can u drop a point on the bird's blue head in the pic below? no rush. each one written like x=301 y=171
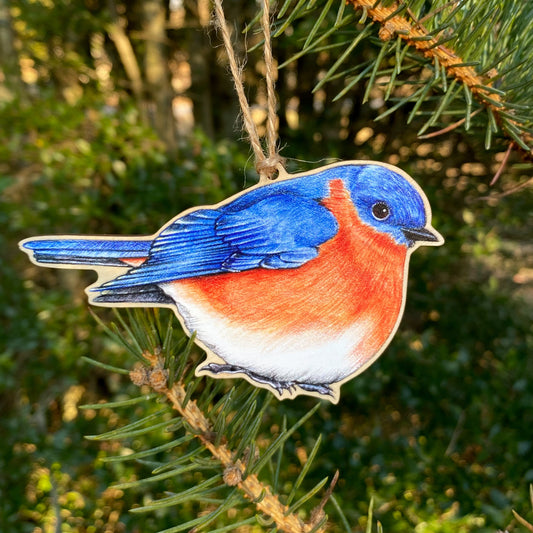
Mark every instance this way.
x=391 y=202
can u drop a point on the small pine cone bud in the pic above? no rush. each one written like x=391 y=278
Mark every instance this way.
x=158 y=379
x=139 y=376
x=316 y=516
x=386 y=32
x=246 y=455
x=150 y=357
x=232 y=475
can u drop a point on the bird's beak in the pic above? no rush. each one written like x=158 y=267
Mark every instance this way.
x=423 y=234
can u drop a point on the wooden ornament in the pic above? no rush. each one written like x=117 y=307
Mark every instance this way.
x=296 y=285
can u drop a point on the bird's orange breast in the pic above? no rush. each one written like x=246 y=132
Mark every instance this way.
x=357 y=277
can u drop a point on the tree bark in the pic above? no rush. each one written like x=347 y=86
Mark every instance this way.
x=202 y=60
x=126 y=53
x=8 y=55
x=157 y=71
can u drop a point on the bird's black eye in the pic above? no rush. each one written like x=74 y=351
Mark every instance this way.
x=380 y=211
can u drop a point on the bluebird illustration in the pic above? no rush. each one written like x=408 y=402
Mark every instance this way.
x=296 y=285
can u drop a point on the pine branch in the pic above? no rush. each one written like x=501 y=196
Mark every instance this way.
x=218 y=436
x=464 y=60
x=416 y=35
x=235 y=469
x=394 y=23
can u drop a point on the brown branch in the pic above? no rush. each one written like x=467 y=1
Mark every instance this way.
x=502 y=166
x=523 y=521
x=127 y=57
x=318 y=512
x=233 y=468
x=418 y=37
x=449 y=128
x=508 y=192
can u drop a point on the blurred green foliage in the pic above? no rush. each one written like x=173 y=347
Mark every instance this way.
x=439 y=432
x=85 y=170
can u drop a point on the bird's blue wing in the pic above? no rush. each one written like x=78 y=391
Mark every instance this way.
x=279 y=231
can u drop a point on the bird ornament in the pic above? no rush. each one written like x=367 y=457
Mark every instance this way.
x=297 y=285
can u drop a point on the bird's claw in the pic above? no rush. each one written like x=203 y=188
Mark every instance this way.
x=324 y=390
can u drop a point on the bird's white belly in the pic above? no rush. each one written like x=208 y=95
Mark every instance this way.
x=310 y=356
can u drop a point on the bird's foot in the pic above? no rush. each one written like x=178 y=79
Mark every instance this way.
x=279 y=386
x=322 y=389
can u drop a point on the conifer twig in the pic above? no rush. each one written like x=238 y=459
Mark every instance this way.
x=449 y=128
x=508 y=192
x=503 y=163
x=318 y=511
x=394 y=23
x=234 y=469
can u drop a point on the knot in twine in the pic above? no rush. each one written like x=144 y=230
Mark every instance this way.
x=269 y=166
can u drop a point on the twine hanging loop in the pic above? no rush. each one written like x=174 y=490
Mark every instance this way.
x=267 y=165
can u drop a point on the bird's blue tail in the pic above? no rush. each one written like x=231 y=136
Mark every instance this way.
x=93 y=252
x=98 y=252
